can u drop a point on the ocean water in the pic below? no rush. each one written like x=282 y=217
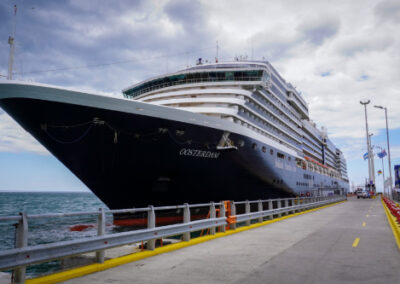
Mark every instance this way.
x=48 y=230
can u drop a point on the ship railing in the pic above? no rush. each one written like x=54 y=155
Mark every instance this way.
x=192 y=81
x=222 y=216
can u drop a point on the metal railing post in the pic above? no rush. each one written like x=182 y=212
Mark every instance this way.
x=212 y=215
x=286 y=206
x=21 y=240
x=247 y=210
x=260 y=208
x=270 y=207
x=292 y=204
x=278 y=206
x=151 y=223
x=222 y=213
x=186 y=219
x=233 y=213
x=101 y=230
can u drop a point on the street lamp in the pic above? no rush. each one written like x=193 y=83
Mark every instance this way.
x=364 y=103
x=388 y=145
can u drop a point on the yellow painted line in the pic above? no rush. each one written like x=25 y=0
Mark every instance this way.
x=364 y=224
x=355 y=243
x=88 y=269
x=393 y=224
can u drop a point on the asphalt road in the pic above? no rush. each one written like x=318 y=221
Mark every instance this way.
x=350 y=242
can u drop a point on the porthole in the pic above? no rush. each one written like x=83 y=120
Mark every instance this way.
x=271 y=152
x=289 y=158
x=264 y=149
x=254 y=146
x=241 y=143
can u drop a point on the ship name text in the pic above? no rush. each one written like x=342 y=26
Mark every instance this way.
x=199 y=153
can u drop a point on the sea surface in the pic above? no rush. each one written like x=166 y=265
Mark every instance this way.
x=47 y=230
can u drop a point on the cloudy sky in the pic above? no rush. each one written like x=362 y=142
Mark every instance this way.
x=335 y=52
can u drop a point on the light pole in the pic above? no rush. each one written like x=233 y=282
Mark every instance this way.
x=388 y=145
x=383 y=171
x=372 y=159
x=364 y=103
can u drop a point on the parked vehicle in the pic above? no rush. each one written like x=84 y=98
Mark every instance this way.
x=363 y=194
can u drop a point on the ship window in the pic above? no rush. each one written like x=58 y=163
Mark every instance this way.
x=254 y=146
x=280 y=155
x=271 y=152
x=241 y=143
x=289 y=158
x=264 y=149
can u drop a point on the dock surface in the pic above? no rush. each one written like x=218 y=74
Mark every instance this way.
x=350 y=242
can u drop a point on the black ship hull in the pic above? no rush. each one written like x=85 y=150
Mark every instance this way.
x=134 y=160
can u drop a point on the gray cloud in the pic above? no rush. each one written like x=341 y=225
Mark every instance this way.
x=388 y=11
x=318 y=30
x=352 y=45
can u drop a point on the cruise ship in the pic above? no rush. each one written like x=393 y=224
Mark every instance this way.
x=215 y=131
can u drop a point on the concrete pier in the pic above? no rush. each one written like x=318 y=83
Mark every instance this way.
x=349 y=242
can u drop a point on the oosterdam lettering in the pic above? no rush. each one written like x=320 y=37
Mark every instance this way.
x=199 y=153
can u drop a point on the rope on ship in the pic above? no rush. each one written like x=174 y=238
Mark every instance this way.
x=44 y=128
x=144 y=137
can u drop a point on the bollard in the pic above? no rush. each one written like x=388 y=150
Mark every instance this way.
x=233 y=213
x=212 y=215
x=270 y=207
x=247 y=210
x=101 y=230
x=186 y=219
x=21 y=240
x=260 y=209
x=151 y=223
x=222 y=214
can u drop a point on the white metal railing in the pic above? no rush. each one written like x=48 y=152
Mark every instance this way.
x=23 y=255
x=188 y=81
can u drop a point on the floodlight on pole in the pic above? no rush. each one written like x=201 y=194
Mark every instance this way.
x=388 y=145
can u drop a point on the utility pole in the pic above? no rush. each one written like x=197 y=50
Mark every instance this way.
x=11 y=43
x=383 y=170
x=364 y=103
x=372 y=159
x=388 y=145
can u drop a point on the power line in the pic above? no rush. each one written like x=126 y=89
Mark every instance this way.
x=110 y=63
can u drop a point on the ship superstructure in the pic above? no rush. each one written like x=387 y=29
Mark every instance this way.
x=253 y=95
x=223 y=131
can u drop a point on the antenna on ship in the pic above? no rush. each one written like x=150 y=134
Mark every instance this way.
x=11 y=43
